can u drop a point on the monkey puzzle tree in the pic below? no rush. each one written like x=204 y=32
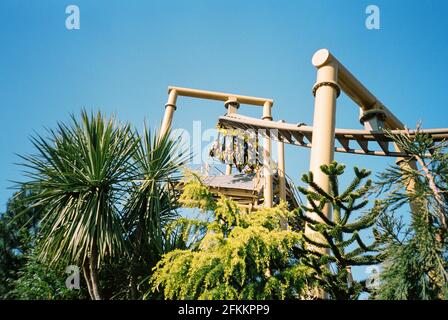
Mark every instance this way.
x=338 y=245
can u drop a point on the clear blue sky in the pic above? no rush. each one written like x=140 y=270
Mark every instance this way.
x=127 y=53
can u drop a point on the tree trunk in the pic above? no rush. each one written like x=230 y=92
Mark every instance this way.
x=436 y=278
x=134 y=294
x=133 y=287
x=94 y=273
x=86 y=271
x=436 y=192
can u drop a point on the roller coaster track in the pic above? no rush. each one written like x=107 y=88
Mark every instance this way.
x=375 y=143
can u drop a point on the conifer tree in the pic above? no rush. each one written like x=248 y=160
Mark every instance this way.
x=338 y=245
x=416 y=249
x=241 y=255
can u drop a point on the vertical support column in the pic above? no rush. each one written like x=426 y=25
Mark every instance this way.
x=267 y=151
x=281 y=167
x=170 y=107
x=325 y=91
x=375 y=120
x=232 y=105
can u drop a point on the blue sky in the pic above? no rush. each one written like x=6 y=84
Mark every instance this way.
x=127 y=53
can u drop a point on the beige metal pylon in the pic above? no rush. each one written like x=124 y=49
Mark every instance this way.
x=332 y=77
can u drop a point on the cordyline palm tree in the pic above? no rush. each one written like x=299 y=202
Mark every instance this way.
x=152 y=203
x=79 y=176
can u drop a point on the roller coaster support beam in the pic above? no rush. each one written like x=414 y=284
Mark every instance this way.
x=170 y=107
x=268 y=192
x=332 y=77
x=326 y=90
x=232 y=106
x=281 y=168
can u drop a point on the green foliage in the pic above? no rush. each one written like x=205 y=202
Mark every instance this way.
x=151 y=205
x=23 y=275
x=38 y=281
x=335 y=245
x=100 y=196
x=416 y=266
x=426 y=168
x=241 y=256
x=78 y=175
x=106 y=202
x=197 y=195
x=184 y=233
x=17 y=234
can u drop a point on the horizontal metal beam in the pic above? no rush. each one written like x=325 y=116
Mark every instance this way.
x=343 y=136
x=355 y=89
x=220 y=96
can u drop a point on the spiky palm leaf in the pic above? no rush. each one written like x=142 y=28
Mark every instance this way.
x=79 y=174
x=152 y=200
